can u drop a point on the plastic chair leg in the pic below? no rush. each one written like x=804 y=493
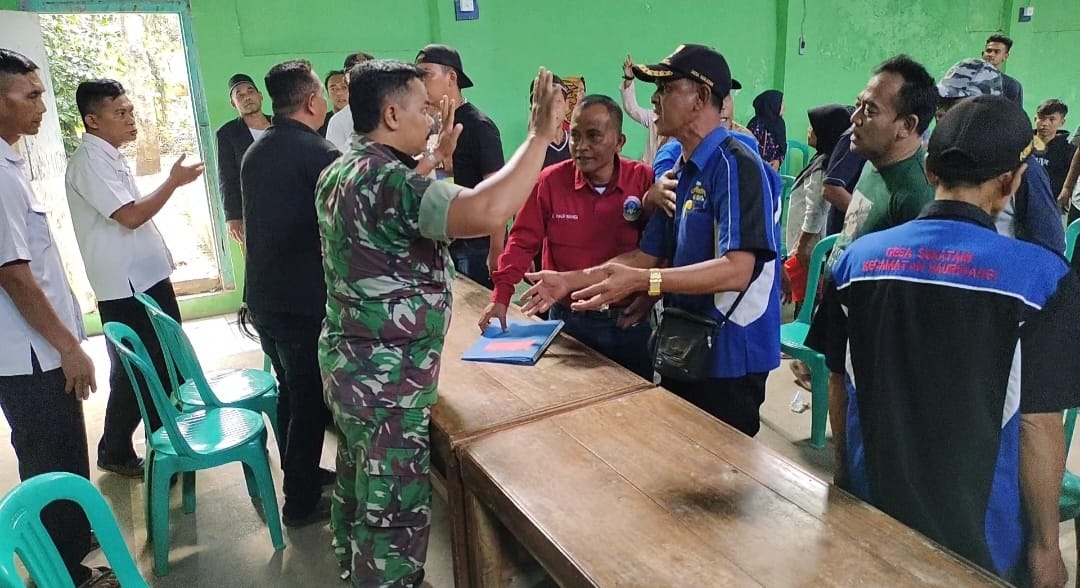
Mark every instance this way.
x=148 y=476
x=259 y=462
x=252 y=483
x=159 y=519
x=188 y=487
x=819 y=402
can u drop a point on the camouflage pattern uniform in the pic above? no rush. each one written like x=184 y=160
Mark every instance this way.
x=970 y=77
x=387 y=268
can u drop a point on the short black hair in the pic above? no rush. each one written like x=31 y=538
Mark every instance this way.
x=1051 y=107
x=918 y=94
x=355 y=58
x=1000 y=38
x=601 y=100
x=13 y=63
x=333 y=72
x=289 y=84
x=371 y=83
x=91 y=93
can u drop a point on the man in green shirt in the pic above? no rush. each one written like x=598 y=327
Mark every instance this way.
x=891 y=114
x=385 y=229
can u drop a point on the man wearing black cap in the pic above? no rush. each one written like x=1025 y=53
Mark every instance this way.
x=478 y=155
x=961 y=345
x=721 y=247
x=233 y=140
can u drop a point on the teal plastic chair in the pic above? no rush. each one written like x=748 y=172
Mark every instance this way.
x=190 y=441
x=1070 y=239
x=252 y=389
x=792 y=342
x=798 y=155
x=23 y=534
x=785 y=200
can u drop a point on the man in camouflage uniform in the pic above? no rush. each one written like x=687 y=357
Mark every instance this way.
x=385 y=227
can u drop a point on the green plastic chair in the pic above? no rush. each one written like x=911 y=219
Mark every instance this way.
x=792 y=342
x=190 y=441
x=252 y=389
x=23 y=534
x=785 y=200
x=1070 y=239
x=798 y=155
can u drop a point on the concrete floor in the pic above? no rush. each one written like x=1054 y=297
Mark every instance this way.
x=224 y=543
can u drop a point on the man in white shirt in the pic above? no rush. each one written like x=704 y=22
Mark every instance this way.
x=123 y=251
x=340 y=129
x=44 y=373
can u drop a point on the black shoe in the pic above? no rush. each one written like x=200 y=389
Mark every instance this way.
x=132 y=468
x=320 y=513
x=327 y=478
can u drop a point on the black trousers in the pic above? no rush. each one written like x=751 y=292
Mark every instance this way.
x=736 y=401
x=291 y=341
x=48 y=434
x=122 y=413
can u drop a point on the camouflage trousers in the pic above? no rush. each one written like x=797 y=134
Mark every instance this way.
x=380 y=515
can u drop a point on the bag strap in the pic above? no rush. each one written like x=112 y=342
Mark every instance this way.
x=669 y=237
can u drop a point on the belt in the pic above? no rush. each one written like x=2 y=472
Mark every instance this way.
x=608 y=314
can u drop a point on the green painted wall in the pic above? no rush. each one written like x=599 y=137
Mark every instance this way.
x=503 y=49
x=1043 y=55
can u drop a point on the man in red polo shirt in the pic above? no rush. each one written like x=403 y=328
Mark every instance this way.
x=584 y=212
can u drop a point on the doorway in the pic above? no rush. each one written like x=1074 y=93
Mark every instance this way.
x=148 y=52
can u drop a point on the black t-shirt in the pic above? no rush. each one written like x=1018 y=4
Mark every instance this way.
x=558 y=153
x=479 y=148
x=844 y=171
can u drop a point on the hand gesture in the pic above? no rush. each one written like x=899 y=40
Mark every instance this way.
x=619 y=281
x=493 y=310
x=1064 y=199
x=785 y=286
x=449 y=132
x=548 y=288
x=78 y=372
x=236 y=230
x=1047 y=568
x=545 y=119
x=182 y=174
x=662 y=194
x=804 y=248
x=628 y=67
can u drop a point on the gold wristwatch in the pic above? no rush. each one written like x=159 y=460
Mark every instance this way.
x=655 y=280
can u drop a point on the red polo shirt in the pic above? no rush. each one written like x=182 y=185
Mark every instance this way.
x=578 y=226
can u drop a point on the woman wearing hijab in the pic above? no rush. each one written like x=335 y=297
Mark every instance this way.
x=807 y=210
x=768 y=127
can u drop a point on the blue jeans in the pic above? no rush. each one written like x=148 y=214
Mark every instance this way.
x=470 y=258
x=627 y=347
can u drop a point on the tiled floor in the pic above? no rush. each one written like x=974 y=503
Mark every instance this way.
x=224 y=544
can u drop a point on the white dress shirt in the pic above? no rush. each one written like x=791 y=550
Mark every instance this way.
x=340 y=130
x=119 y=262
x=25 y=236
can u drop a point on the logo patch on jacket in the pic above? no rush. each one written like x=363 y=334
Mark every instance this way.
x=631 y=208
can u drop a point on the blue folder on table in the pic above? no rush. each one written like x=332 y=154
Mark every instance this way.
x=522 y=344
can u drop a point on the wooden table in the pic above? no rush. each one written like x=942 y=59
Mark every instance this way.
x=477 y=399
x=646 y=490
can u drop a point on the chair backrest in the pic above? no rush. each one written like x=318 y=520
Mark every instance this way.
x=1070 y=239
x=170 y=362
x=179 y=353
x=23 y=534
x=136 y=360
x=817 y=261
x=798 y=155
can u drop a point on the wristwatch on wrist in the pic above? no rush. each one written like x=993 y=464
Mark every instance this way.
x=429 y=155
x=628 y=78
x=655 y=281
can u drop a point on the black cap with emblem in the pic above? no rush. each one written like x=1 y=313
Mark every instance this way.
x=694 y=62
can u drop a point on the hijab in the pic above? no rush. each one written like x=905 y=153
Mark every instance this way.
x=767 y=114
x=829 y=123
